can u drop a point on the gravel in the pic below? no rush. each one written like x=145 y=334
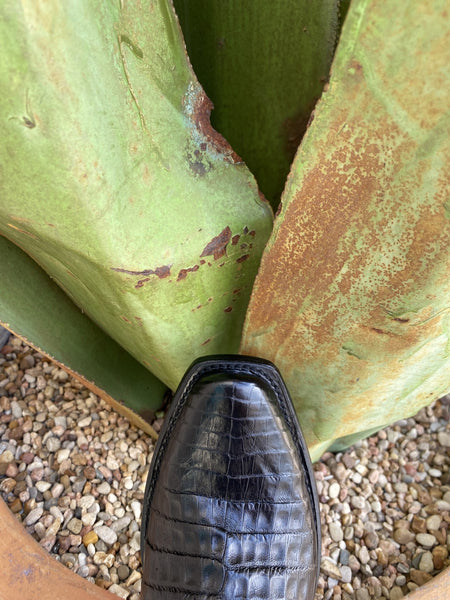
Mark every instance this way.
x=73 y=471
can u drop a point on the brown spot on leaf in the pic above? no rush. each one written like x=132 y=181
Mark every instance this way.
x=141 y=282
x=206 y=342
x=235 y=239
x=380 y=331
x=228 y=309
x=242 y=258
x=183 y=272
x=199 y=113
x=218 y=245
x=160 y=272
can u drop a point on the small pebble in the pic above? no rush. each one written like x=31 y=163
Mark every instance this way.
x=106 y=534
x=123 y=572
x=336 y=532
x=426 y=540
x=90 y=538
x=396 y=593
x=426 y=563
x=34 y=516
x=75 y=526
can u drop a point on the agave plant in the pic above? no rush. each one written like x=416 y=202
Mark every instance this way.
x=136 y=238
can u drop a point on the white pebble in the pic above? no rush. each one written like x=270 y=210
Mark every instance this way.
x=119 y=591
x=426 y=540
x=33 y=516
x=336 y=532
x=86 y=501
x=346 y=574
x=57 y=490
x=433 y=522
x=112 y=463
x=444 y=438
x=88 y=519
x=136 y=507
x=42 y=486
x=85 y=422
x=104 y=488
x=334 y=490
x=16 y=409
x=62 y=455
x=434 y=472
x=127 y=483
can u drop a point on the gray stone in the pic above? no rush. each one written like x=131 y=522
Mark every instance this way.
x=106 y=534
x=120 y=524
x=78 y=484
x=123 y=572
x=346 y=574
x=362 y=594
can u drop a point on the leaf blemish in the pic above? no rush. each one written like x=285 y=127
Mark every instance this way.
x=217 y=247
x=183 y=272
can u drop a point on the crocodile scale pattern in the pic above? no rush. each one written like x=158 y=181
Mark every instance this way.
x=230 y=514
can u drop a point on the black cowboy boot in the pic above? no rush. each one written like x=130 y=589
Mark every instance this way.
x=230 y=509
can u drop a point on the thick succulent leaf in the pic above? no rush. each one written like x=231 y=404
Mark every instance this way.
x=263 y=64
x=36 y=309
x=114 y=182
x=352 y=298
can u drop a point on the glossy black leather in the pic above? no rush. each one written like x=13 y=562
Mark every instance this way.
x=230 y=509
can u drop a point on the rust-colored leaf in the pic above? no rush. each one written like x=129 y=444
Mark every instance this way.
x=352 y=297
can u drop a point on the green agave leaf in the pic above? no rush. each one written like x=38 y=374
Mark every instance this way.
x=264 y=65
x=36 y=309
x=352 y=298
x=114 y=182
